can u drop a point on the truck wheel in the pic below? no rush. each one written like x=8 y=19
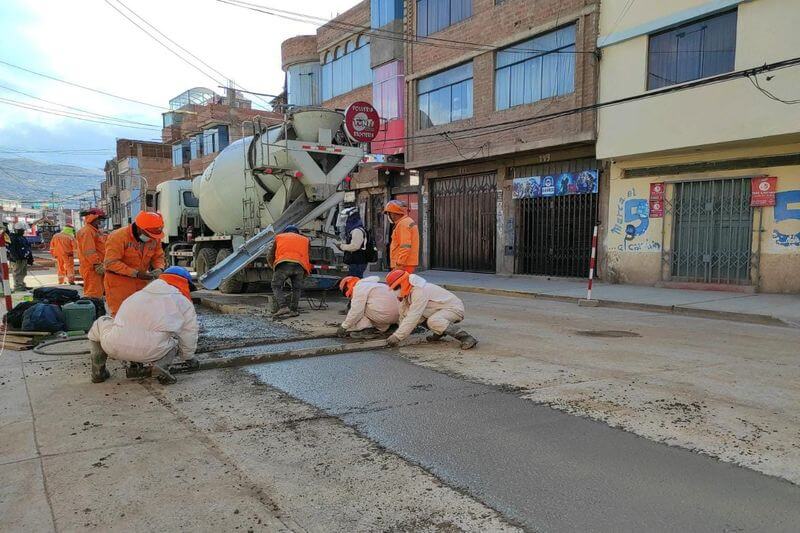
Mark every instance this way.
x=235 y=283
x=205 y=260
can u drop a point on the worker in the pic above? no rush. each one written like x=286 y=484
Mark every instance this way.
x=133 y=258
x=20 y=256
x=420 y=302
x=91 y=247
x=154 y=325
x=404 y=249
x=290 y=257
x=373 y=308
x=355 y=243
x=62 y=248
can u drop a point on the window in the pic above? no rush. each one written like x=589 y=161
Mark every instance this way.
x=303 y=84
x=436 y=15
x=196 y=146
x=215 y=139
x=445 y=97
x=190 y=200
x=348 y=69
x=385 y=11
x=177 y=155
x=387 y=91
x=539 y=68
x=696 y=50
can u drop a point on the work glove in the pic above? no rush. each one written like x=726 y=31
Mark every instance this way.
x=157 y=272
x=392 y=341
x=147 y=276
x=341 y=332
x=100 y=269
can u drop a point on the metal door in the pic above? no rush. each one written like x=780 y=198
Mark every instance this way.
x=376 y=225
x=554 y=235
x=712 y=231
x=464 y=223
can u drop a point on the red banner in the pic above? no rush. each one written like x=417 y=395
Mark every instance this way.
x=657 y=191
x=762 y=191
x=656 y=209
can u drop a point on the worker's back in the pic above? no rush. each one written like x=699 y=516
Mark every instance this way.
x=404 y=250
x=293 y=248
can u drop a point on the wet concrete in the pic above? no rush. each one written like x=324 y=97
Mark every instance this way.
x=218 y=328
x=281 y=347
x=542 y=468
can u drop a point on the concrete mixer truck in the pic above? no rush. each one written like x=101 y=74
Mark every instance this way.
x=291 y=173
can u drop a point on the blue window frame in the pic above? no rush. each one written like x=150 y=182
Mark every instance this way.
x=539 y=68
x=436 y=15
x=177 y=155
x=692 y=51
x=197 y=146
x=382 y=12
x=445 y=97
x=347 y=68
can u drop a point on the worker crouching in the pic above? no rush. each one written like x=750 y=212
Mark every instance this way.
x=373 y=308
x=420 y=302
x=290 y=260
x=154 y=325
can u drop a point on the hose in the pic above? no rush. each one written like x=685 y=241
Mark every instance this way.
x=37 y=348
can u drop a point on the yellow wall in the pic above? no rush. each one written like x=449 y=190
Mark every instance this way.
x=639 y=260
x=726 y=112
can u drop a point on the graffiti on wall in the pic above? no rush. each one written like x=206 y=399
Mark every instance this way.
x=787 y=208
x=632 y=222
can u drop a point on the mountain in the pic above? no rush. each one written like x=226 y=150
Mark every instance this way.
x=34 y=181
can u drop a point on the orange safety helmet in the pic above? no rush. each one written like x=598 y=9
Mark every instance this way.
x=90 y=215
x=399 y=279
x=347 y=285
x=397 y=207
x=152 y=224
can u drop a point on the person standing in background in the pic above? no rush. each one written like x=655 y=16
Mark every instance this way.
x=91 y=247
x=62 y=248
x=354 y=244
x=404 y=249
x=20 y=255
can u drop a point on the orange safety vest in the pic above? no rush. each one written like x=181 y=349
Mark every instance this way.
x=404 y=251
x=293 y=248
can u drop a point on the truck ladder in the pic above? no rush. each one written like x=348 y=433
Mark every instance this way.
x=301 y=212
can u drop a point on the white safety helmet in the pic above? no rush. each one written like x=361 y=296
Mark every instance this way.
x=20 y=225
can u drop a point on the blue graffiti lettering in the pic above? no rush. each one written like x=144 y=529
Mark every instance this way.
x=638 y=209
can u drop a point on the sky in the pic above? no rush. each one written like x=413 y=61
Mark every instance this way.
x=89 y=43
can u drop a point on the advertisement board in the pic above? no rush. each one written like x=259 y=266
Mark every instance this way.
x=583 y=182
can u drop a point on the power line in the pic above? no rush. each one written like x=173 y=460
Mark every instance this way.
x=754 y=80
x=66 y=114
x=84 y=87
x=65 y=175
x=118 y=119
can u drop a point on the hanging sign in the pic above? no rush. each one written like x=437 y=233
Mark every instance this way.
x=762 y=191
x=361 y=122
x=657 y=200
x=583 y=182
x=657 y=191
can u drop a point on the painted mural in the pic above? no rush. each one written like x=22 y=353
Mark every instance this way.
x=632 y=222
x=787 y=208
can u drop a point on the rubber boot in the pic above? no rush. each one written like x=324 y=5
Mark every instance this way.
x=161 y=368
x=467 y=340
x=99 y=357
x=282 y=312
x=434 y=337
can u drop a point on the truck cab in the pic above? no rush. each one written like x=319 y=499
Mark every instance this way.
x=180 y=209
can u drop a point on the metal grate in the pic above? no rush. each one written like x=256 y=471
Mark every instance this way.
x=464 y=223
x=712 y=231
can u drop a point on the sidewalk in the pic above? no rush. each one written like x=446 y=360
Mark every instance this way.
x=780 y=309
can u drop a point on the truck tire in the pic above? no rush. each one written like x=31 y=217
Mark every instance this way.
x=205 y=260
x=235 y=283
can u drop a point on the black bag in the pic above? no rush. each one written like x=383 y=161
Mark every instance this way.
x=55 y=295
x=371 y=251
x=44 y=317
x=99 y=307
x=14 y=317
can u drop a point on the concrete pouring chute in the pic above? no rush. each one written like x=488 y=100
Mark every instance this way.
x=288 y=173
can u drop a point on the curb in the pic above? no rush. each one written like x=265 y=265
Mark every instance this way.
x=764 y=320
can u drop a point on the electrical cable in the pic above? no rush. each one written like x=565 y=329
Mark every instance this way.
x=37 y=349
x=71 y=115
x=754 y=81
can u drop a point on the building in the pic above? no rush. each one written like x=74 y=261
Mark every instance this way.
x=683 y=163
x=509 y=174
x=355 y=57
x=132 y=177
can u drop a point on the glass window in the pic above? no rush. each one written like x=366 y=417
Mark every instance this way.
x=190 y=200
x=436 y=15
x=446 y=96
x=302 y=84
x=349 y=69
x=542 y=67
x=387 y=90
x=692 y=51
x=385 y=11
x=177 y=155
x=211 y=140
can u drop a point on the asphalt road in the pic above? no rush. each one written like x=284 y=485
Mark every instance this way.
x=543 y=469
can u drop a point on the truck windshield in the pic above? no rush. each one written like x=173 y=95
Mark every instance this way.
x=190 y=200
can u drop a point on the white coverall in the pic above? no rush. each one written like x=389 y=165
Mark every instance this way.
x=149 y=325
x=431 y=303
x=373 y=305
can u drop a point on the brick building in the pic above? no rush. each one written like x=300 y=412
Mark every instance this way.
x=504 y=190
x=132 y=176
x=354 y=58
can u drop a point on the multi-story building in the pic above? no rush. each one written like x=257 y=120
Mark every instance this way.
x=357 y=57
x=688 y=204
x=132 y=177
x=509 y=173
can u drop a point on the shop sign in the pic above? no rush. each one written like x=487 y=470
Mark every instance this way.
x=361 y=122
x=584 y=182
x=762 y=191
x=657 y=200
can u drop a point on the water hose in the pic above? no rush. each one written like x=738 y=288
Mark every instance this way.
x=37 y=348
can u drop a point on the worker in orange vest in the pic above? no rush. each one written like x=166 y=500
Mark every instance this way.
x=91 y=246
x=404 y=249
x=290 y=260
x=134 y=257
x=62 y=248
